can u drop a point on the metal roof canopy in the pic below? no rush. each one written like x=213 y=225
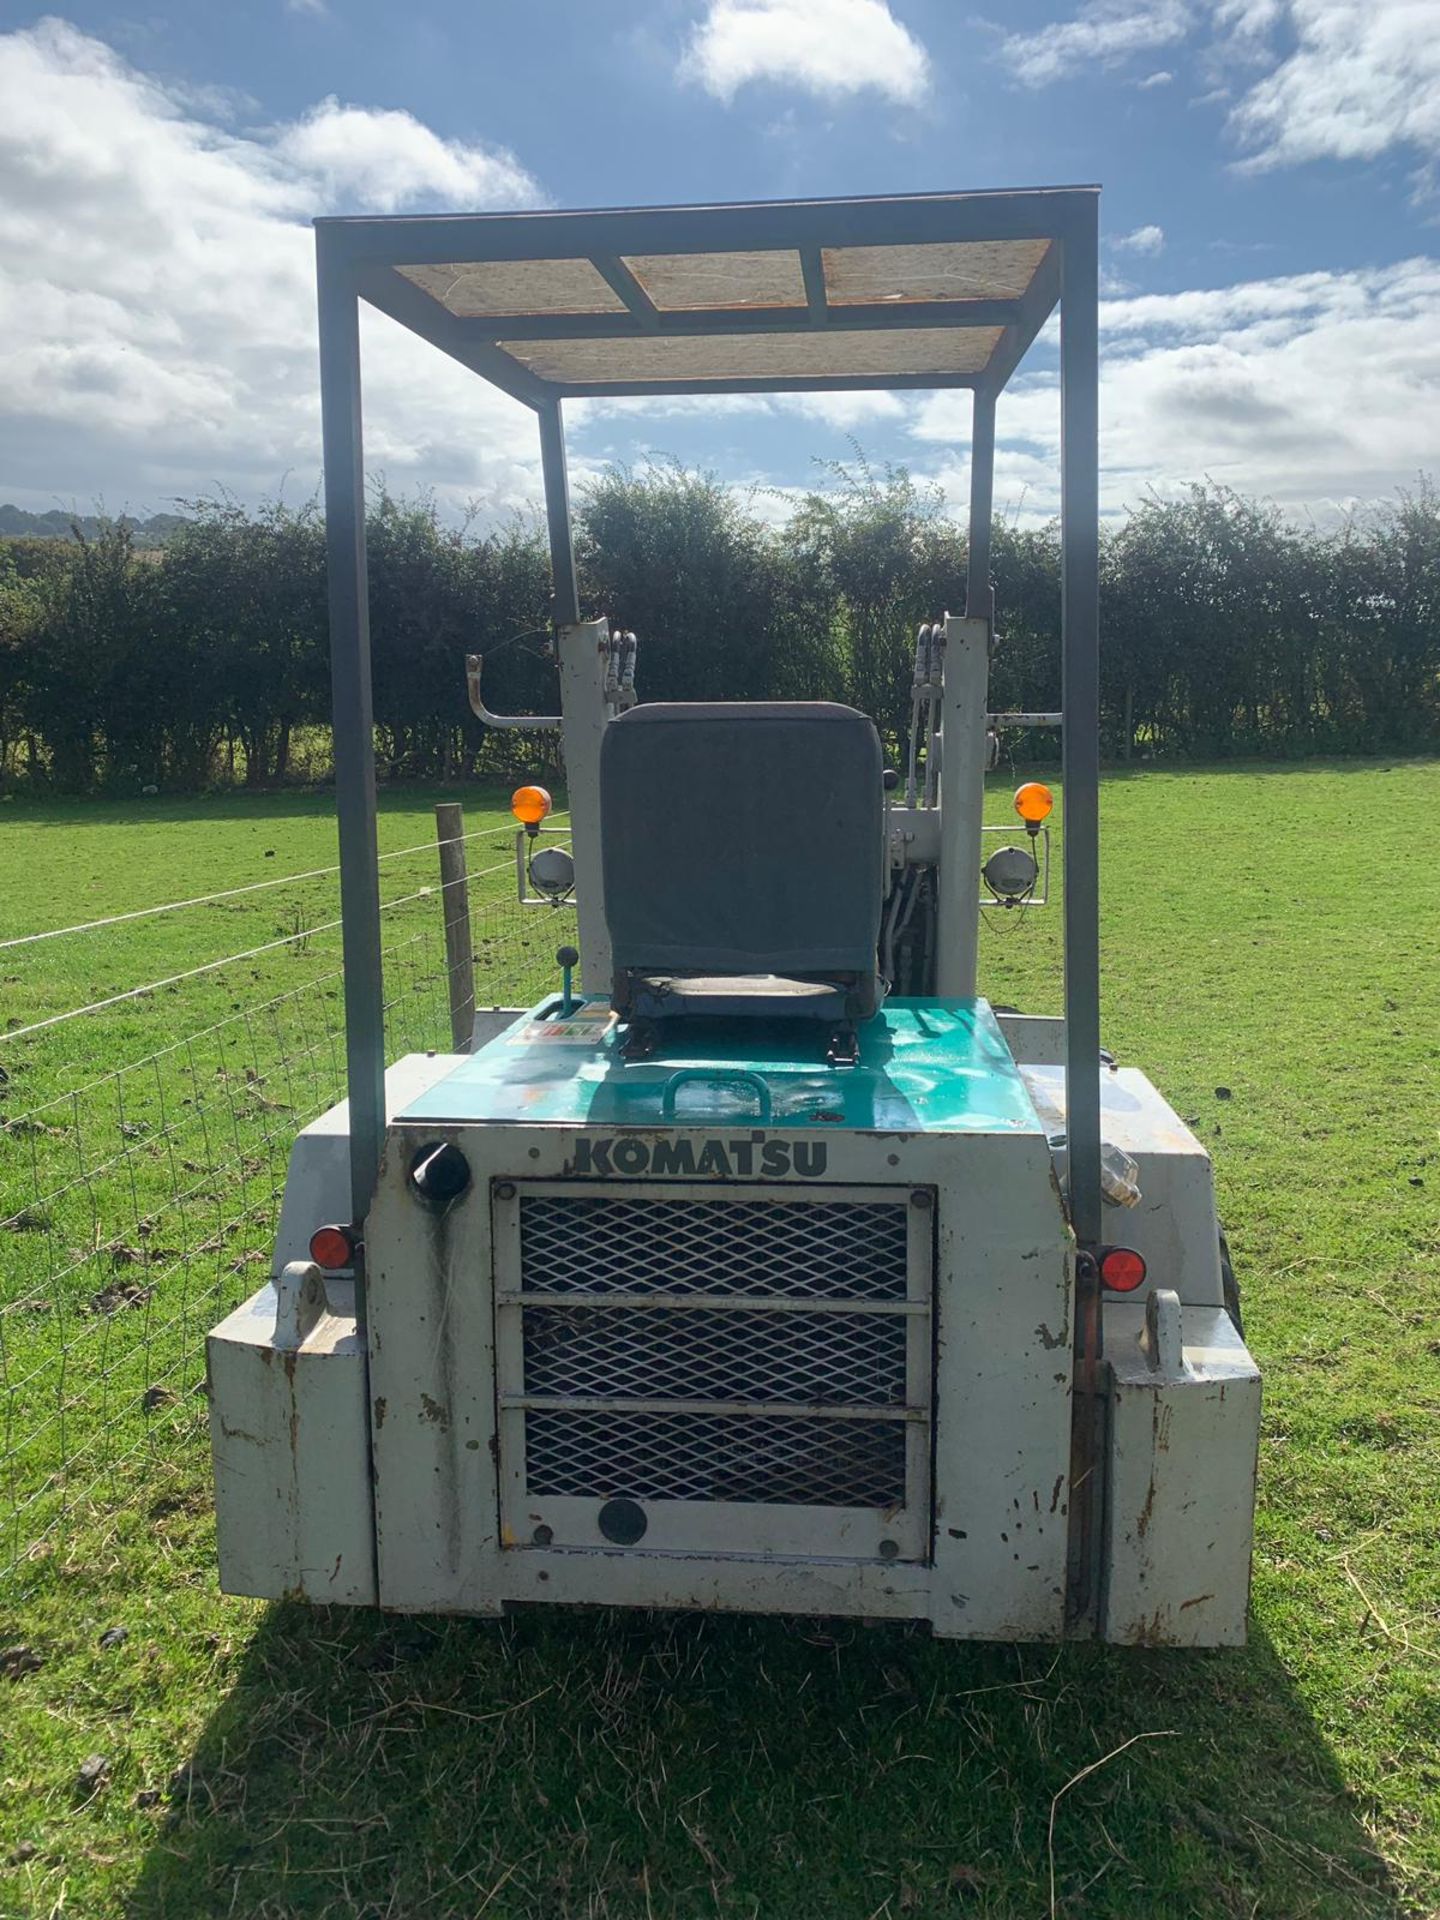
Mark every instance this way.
x=925 y=291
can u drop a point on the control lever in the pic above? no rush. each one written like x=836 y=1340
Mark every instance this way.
x=474 y=665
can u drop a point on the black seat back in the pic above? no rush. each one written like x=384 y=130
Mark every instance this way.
x=743 y=839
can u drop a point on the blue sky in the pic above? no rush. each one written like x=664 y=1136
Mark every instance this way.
x=1272 y=272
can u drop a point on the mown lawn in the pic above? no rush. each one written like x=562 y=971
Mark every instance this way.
x=1270 y=936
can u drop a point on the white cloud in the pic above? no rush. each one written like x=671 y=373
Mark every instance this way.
x=1364 y=76
x=667 y=406
x=157 y=294
x=1355 y=77
x=844 y=411
x=1316 y=391
x=839 y=411
x=771 y=504
x=1104 y=32
x=828 y=47
x=1158 y=79
x=1143 y=240
x=1025 y=491
x=385 y=159
x=157 y=308
x=1248 y=19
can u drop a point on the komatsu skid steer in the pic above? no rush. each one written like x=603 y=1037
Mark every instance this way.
x=767 y=1267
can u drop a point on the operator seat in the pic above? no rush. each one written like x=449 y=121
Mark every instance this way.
x=742 y=853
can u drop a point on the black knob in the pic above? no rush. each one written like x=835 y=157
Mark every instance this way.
x=890 y=780
x=568 y=957
x=439 y=1173
x=622 y=1521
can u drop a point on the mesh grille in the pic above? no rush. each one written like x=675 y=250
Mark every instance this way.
x=731 y=1457
x=667 y=1353
x=722 y=1351
x=824 y=1250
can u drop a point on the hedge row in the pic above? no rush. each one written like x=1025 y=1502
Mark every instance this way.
x=1226 y=630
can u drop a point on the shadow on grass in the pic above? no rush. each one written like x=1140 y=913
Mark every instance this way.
x=610 y=1765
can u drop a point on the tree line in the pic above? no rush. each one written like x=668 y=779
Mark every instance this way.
x=1226 y=630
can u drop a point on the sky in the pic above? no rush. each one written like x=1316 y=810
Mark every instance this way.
x=1270 y=230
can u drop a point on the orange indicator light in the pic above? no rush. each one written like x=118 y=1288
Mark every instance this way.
x=1033 y=802
x=530 y=805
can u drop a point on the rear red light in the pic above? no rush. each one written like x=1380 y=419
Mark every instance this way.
x=332 y=1248
x=1121 y=1269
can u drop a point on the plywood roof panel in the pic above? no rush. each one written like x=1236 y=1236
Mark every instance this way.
x=758 y=356
x=953 y=270
x=687 y=282
x=949 y=286
x=481 y=288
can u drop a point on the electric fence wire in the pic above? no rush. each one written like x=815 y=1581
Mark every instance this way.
x=234 y=893
x=142 y=1205
x=229 y=960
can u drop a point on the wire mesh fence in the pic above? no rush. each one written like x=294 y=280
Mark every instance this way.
x=144 y=1137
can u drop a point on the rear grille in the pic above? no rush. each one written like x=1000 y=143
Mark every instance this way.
x=697 y=1456
x=765 y=1349
x=822 y=1249
x=678 y=1353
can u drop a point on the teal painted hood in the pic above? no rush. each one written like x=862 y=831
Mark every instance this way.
x=925 y=1066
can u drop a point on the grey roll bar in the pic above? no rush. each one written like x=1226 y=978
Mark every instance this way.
x=541 y=357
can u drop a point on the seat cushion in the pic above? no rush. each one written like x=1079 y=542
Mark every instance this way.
x=732 y=996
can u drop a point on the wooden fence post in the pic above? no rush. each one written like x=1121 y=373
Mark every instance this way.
x=455 y=898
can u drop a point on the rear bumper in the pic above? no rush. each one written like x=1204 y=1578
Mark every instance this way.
x=1183 y=1436
x=295 y=1498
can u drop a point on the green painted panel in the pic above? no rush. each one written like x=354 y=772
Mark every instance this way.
x=926 y=1066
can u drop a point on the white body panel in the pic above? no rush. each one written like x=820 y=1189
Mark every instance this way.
x=581 y=652
x=1034 y=1039
x=1174 y=1225
x=1181 y=1483
x=1002 y=1364
x=293 y=1497
x=432 y=1394
x=295 y=1433
x=317 y=1180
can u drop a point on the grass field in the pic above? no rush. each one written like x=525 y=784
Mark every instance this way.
x=144 y=1145
x=1270 y=932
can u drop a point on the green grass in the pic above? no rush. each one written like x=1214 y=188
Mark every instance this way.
x=143 y=1146
x=1268 y=931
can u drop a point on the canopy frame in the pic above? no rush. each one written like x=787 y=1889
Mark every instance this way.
x=367 y=259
